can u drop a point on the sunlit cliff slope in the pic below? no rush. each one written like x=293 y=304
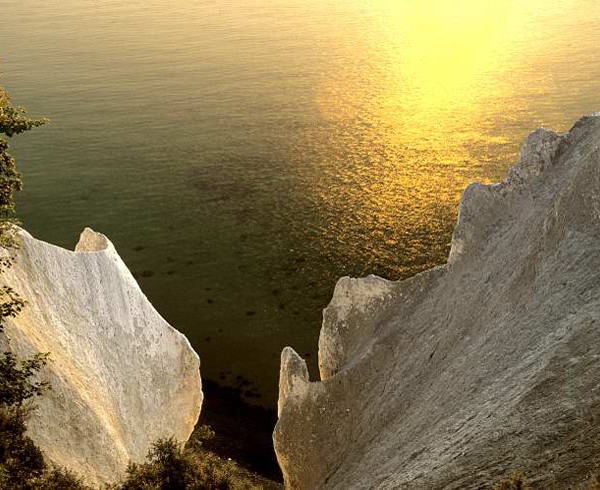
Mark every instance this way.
x=121 y=377
x=488 y=363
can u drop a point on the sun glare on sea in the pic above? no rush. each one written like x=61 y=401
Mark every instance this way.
x=305 y=140
x=428 y=59
x=423 y=80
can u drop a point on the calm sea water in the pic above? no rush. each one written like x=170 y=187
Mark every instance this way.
x=242 y=155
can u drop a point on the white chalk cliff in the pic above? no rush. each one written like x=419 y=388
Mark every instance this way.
x=489 y=363
x=121 y=376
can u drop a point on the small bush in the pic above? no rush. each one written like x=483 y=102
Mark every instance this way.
x=17 y=378
x=20 y=460
x=170 y=466
x=22 y=465
x=59 y=479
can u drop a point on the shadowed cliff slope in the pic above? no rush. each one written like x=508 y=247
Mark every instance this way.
x=464 y=372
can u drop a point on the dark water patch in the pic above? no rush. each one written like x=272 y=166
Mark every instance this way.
x=143 y=274
x=243 y=431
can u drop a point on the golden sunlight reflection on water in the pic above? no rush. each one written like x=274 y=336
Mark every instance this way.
x=431 y=88
x=243 y=155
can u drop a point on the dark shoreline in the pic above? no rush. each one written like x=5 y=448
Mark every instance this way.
x=243 y=432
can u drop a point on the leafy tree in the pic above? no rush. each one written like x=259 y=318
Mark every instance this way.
x=15 y=376
x=21 y=463
x=13 y=121
x=20 y=460
x=16 y=383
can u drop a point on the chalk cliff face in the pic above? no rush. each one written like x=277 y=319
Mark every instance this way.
x=467 y=371
x=121 y=376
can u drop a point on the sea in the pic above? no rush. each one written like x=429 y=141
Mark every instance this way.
x=244 y=155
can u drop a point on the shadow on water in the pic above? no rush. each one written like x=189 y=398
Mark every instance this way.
x=243 y=432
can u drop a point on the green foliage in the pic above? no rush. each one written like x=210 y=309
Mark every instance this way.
x=22 y=465
x=170 y=466
x=11 y=303
x=20 y=460
x=166 y=467
x=201 y=434
x=13 y=120
x=16 y=383
x=10 y=182
x=59 y=479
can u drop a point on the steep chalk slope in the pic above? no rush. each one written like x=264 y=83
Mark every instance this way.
x=460 y=374
x=121 y=375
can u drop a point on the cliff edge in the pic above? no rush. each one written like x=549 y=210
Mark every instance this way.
x=121 y=376
x=465 y=372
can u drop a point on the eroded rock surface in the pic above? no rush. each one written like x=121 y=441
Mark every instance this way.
x=121 y=376
x=490 y=363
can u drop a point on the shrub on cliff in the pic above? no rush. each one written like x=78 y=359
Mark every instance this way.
x=22 y=465
x=17 y=379
x=172 y=466
x=20 y=460
x=13 y=121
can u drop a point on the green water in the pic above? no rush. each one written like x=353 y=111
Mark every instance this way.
x=244 y=155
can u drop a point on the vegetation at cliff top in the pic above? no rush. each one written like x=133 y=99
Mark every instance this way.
x=22 y=465
x=13 y=120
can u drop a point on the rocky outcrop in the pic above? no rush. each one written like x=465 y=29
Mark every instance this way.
x=489 y=363
x=121 y=376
